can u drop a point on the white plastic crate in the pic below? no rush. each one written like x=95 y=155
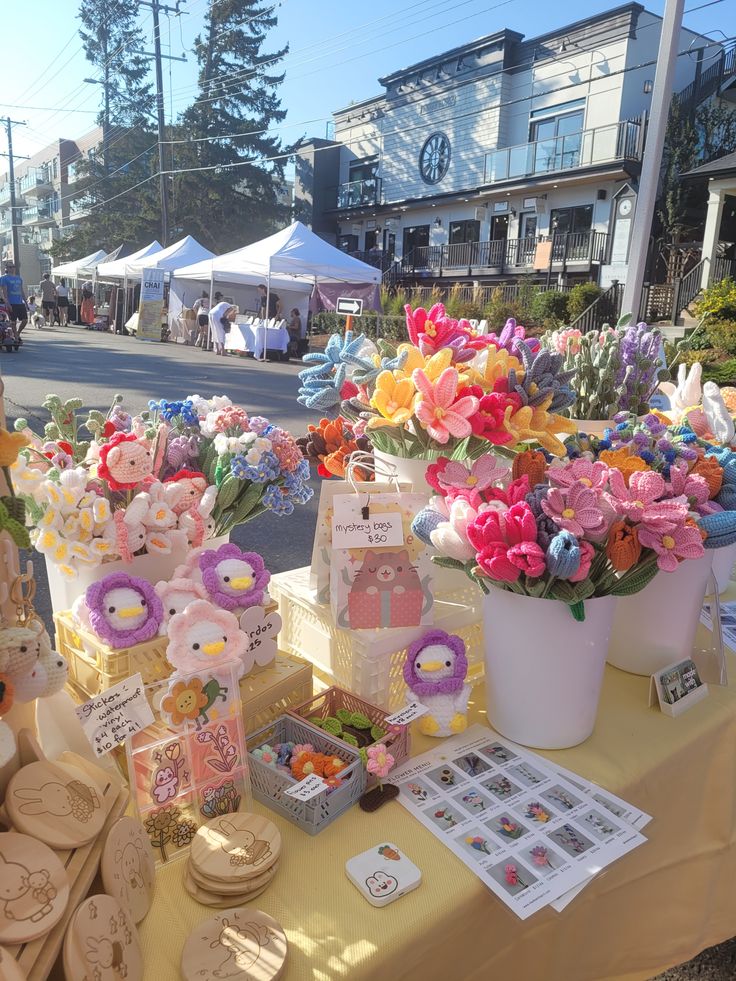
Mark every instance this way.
x=369 y=662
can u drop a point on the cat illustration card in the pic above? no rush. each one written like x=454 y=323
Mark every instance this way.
x=384 y=577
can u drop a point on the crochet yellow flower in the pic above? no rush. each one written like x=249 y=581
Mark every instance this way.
x=10 y=446
x=534 y=423
x=432 y=367
x=393 y=398
x=498 y=365
x=622 y=460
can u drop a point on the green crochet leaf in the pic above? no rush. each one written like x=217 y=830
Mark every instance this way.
x=578 y=611
x=360 y=721
x=377 y=733
x=349 y=738
x=363 y=756
x=446 y=562
x=630 y=584
x=316 y=721
x=229 y=490
x=344 y=715
x=333 y=726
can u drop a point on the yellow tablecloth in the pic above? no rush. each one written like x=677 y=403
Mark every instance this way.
x=656 y=907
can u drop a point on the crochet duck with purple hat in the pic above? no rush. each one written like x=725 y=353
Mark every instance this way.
x=435 y=670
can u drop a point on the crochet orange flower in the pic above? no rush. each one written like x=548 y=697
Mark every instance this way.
x=305 y=764
x=623 y=548
x=532 y=463
x=622 y=460
x=711 y=471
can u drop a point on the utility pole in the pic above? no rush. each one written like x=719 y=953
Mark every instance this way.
x=14 y=223
x=156 y=7
x=652 y=163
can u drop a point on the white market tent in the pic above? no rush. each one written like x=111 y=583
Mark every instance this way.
x=182 y=253
x=80 y=268
x=109 y=271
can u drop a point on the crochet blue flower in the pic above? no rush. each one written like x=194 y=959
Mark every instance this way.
x=563 y=555
x=425 y=522
x=366 y=370
x=323 y=363
x=278 y=502
x=266 y=469
x=301 y=494
x=238 y=466
x=543 y=376
x=303 y=471
x=322 y=394
x=720 y=528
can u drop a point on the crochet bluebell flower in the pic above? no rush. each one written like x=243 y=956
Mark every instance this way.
x=563 y=555
x=262 y=472
x=425 y=522
x=278 y=502
x=322 y=363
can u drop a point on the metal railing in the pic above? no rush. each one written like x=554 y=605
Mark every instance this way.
x=33 y=178
x=686 y=288
x=41 y=212
x=355 y=194
x=722 y=268
x=587 y=148
x=605 y=309
x=380 y=260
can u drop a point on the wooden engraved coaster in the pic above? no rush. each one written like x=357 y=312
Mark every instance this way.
x=237 y=943
x=127 y=867
x=235 y=847
x=57 y=803
x=34 y=889
x=101 y=942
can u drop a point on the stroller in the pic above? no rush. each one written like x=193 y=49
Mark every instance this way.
x=8 y=340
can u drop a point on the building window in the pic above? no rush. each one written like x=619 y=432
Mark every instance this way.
x=57 y=205
x=363 y=170
x=348 y=243
x=578 y=219
x=56 y=167
x=499 y=228
x=557 y=133
x=416 y=237
x=464 y=231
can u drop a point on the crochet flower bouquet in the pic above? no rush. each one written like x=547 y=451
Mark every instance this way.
x=603 y=522
x=447 y=391
x=180 y=472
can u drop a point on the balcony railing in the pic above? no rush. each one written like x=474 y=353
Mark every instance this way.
x=504 y=254
x=588 y=148
x=380 y=260
x=355 y=194
x=37 y=213
x=34 y=180
x=5 y=192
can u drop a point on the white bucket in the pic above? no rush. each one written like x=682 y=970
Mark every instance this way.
x=544 y=668
x=408 y=470
x=724 y=560
x=150 y=567
x=656 y=626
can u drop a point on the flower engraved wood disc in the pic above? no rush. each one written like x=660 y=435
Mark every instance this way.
x=237 y=943
x=101 y=942
x=127 y=867
x=34 y=888
x=56 y=803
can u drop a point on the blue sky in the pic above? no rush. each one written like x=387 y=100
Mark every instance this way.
x=339 y=48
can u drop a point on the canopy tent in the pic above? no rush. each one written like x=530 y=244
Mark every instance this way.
x=80 y=268
x=182 y=253
x=108 y=271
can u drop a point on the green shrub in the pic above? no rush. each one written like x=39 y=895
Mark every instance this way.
x=722 y=335
x=549 y=306
x=723 y=373
x=580 y=297
x=718 y=301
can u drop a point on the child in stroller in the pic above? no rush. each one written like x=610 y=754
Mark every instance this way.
x=8 y=339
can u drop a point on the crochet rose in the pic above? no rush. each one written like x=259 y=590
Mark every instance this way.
x=233 y=578
x=124 y=462
x=206 y=635
x=123 y=609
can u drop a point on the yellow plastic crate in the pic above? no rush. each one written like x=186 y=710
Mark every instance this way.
x=369 y=662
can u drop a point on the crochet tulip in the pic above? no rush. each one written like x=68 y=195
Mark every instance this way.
x=531 y=463
x=623 y=547
x=563 y=556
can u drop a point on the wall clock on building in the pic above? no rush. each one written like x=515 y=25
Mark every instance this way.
x=434 y=158
x=624 y=207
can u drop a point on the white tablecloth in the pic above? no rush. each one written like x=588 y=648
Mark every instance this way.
x=251 y=337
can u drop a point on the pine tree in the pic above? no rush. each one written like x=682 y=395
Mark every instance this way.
x=235 y=202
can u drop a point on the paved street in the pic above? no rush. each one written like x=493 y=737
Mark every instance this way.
x=94 y=366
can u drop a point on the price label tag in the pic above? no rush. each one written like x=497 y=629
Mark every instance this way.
x=406 y=715
x=351 y=530
x=307 y=788
x=114 y=714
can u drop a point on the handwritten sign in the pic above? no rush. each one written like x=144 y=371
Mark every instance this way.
x=108 y=718
x=406 y=715
x=350 y=529
x=262 y=629
x=307 y=788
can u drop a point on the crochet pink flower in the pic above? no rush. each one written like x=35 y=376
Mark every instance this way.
x=672 y=544
x=481 y=474
x=582 y=472
x=693 y=487
x=380 y=761
x=451 y=537
x=528 y=558
x=515 y=492
x=494 y=536
x=576 y=509
x=439 y=410
x=640 y=501
x=204 y=635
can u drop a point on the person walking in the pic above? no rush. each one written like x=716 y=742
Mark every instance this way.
x=62 y=302
x=201 y=309
x=221 y=317
x=48 y=298
x=15 y=297
x=87 y=313
x=274 y=303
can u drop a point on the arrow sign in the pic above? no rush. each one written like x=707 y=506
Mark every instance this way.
x=348 y=306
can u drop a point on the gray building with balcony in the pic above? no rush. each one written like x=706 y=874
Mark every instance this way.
x=45 y=208
x=504 y=157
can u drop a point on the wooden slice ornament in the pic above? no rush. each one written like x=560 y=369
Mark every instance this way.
x=128 y=868
x=34 y=888
x=102 y=943
x=235 y=847
x=57 y=803
x=237 y=943
x=9 y=969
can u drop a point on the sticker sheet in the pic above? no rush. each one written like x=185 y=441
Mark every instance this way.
x=526 y=831
x=191 y=765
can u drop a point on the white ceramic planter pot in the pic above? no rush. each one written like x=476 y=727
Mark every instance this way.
x=724 y=560
x=544 y=668
x=150 y=567
x=656 y=626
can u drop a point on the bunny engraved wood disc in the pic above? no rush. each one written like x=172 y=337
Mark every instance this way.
x=237 y=943
x=214 y=899
x=236 y=846
x=238 y=888
x=34 y=888
x=127 y=866
x=101 y=942
x=56 y=803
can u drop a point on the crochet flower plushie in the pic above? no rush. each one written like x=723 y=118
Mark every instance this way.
x=234 y=579
x=267 y=755
x=123 y=609
x=435 y=670
x=204 y=635
x=124 y=462
x=193 y=484
x=175 y=596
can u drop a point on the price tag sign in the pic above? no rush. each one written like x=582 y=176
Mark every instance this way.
x=118 y=712
x=406 y=715
x=262 y=629
x=350 y=529
x=307 y=788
